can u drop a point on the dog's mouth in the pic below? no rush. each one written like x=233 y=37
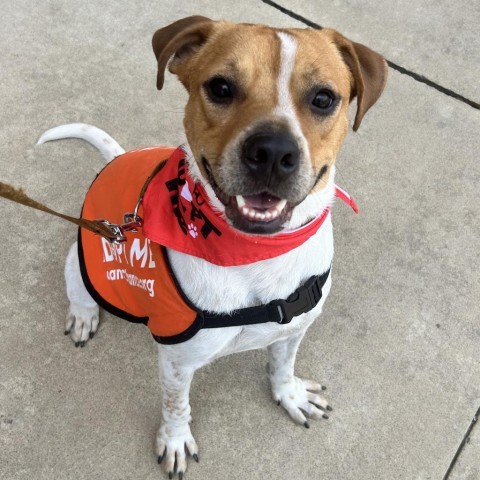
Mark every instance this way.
x=259 y=213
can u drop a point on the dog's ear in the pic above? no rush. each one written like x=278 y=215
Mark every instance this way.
x=181 y=39
x=369 y=70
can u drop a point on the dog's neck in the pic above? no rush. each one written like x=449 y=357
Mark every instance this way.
x=310 y=208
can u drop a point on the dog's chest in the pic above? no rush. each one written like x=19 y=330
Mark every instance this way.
x=224 y=289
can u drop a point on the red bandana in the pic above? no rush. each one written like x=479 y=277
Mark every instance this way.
x=178 y=215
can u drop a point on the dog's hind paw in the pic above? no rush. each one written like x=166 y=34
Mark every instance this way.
x=82 y=323
x=301 y=399
x=173 y=446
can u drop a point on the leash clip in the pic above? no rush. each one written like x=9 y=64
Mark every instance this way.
x=132 y=222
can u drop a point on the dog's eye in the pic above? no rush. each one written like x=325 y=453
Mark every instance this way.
x=219 y=90
x=324 y=100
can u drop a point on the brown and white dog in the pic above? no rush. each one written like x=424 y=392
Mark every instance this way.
x=265 y=119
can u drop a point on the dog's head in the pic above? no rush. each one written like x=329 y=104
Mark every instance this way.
x=267 y=109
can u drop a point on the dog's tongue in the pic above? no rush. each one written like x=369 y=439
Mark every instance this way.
x=261 y=201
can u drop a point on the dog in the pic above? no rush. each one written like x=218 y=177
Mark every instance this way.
x=265 y=118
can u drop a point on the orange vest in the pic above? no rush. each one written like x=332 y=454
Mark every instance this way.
x=133 y=280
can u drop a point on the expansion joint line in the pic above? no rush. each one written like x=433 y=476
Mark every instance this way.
x=465 y=440
x=405 y=71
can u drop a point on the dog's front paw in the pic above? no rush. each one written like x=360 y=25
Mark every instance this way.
x=301 y=399
x=173 y=446
x=82 y=323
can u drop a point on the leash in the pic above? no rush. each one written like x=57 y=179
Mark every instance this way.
x=18 y=195
x=114 y=233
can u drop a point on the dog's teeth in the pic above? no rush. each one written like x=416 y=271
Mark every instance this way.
x=281 y=205
x=240 y=201
x=254 y=214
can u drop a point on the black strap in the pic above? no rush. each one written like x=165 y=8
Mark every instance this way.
x=302 y=300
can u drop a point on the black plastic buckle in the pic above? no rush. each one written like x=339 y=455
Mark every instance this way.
x=302 y=300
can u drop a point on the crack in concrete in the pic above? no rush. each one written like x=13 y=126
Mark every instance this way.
x=464 y=441
x=405 y=71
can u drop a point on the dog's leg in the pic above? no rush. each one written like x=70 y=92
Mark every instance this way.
x=299 y=397
x=174 y=437
x=83 y=313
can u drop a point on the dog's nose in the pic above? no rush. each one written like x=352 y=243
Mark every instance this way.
x=269 y=156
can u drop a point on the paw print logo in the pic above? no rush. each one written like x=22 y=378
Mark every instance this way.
x=192 y=230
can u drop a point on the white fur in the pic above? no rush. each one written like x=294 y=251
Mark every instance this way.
x=224 y=289
x=314 y=204
x=101 y=140
x=83 y=312
x=285 y=106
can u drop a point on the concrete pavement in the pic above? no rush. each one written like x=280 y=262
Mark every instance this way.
x=398 y=343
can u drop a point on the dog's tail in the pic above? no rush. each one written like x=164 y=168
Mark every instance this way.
x=101 y=140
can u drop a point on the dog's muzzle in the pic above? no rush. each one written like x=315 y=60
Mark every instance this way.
x=269 y=163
